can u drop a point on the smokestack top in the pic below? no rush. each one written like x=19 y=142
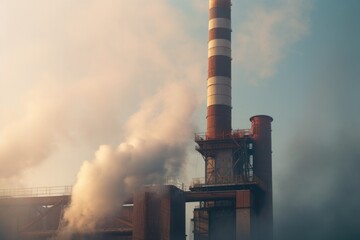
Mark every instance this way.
x=265 y=117
x=219 y=3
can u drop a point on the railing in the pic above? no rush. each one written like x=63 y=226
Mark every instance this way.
x=176 y=182
x=63 y=190
x=35 y=192
x=239 y=133
x=200 y=182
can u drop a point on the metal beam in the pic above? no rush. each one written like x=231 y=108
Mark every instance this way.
x=107 y=232
x=35 y=201
x=209 y=196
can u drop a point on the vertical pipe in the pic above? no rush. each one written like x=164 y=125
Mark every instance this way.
x=159 y=213
x=243 y=215
x=140 y=213
x=262 y=165
x=219 y=69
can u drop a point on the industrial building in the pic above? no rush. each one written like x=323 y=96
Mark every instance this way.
x=235 y=196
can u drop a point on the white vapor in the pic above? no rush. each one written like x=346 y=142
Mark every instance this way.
x=72 y=71
x=155 y=148
x=265 y=36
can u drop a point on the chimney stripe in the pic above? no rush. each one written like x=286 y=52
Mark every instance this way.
x=219 y=51
x=219 y=43
x=219 y=66
x=219 y=94
x=220 y=33
x=220 y=12
x=219 y=23
x=219 y=80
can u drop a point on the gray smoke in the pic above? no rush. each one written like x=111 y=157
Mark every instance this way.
x=318 y=192
x=154 y=149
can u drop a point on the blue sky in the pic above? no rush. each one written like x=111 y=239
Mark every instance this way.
x=73 y=72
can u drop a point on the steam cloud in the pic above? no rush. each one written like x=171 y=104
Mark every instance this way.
x=82 y=64
x=24 y=142
x=155 y=148
x=264 y=37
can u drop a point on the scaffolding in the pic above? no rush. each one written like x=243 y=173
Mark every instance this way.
x=237 y=147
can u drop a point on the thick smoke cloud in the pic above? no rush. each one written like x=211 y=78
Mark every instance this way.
x=318 y=192
x=72 y=71
x=154 y=149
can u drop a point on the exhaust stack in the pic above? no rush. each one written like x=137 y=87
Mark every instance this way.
x=219 y=70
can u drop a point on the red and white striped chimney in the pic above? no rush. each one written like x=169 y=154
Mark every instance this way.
x=219 y=69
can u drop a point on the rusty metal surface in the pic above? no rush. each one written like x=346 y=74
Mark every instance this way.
x=218 y=121
x=219 y=66
x=159 y=213
x=139 y=213
x=262 y=166
x=222 y=33
x=261 y=129
x=243 y=199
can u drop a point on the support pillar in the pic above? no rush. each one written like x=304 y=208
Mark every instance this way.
x=159 y=214
x=243 y=215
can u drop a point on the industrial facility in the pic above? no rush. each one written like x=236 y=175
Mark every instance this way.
x=234 y=198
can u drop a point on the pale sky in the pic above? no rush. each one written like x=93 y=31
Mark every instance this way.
x=73 y=72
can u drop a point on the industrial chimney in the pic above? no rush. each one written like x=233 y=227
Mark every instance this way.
x=219 y=69
x=237 y=161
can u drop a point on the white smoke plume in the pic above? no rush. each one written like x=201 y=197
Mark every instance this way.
x=154 y=148
x=30 y=139
x=266 y=34
x=83 y=68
